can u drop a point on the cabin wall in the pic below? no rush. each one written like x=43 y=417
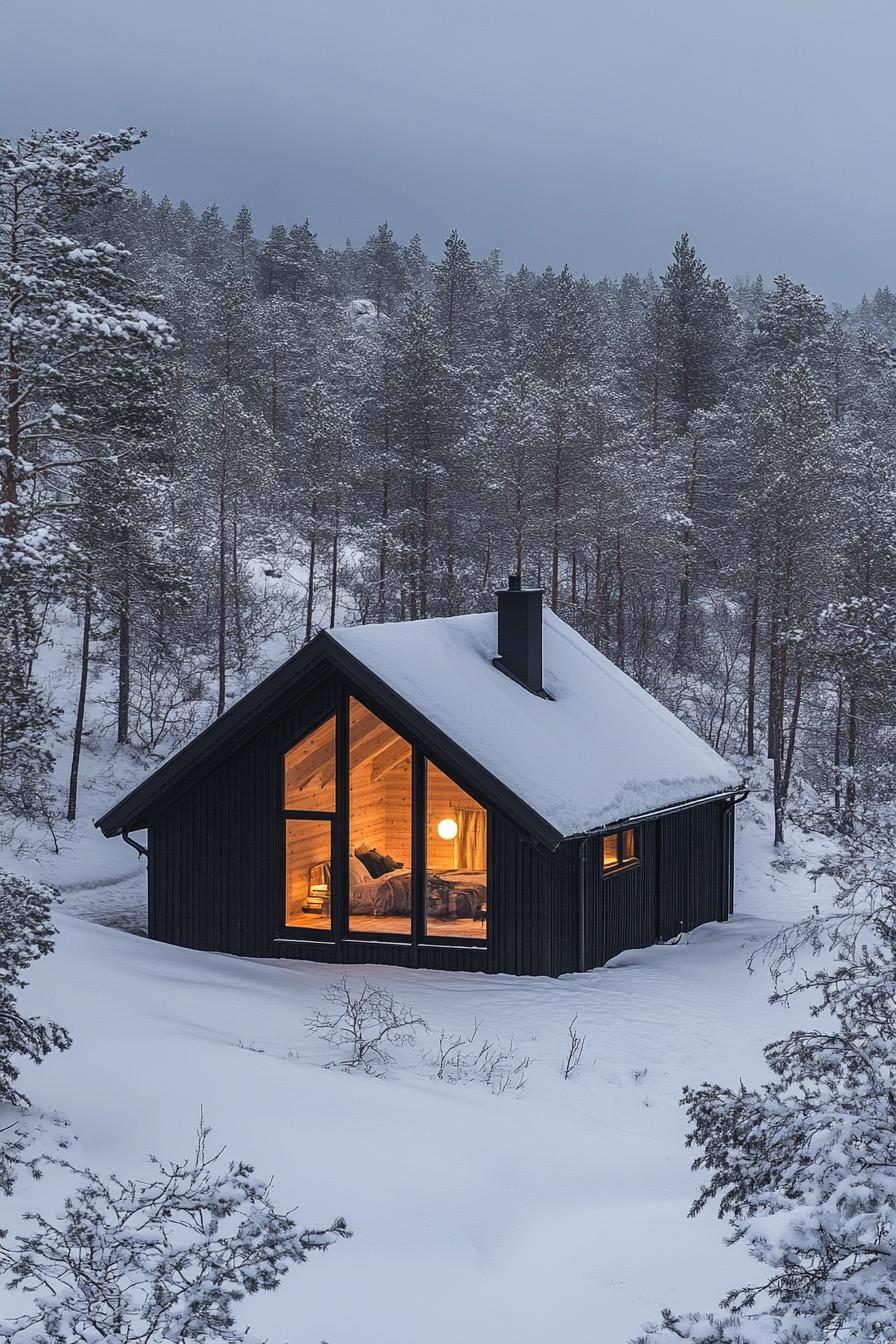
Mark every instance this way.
x=685 y=878
x=693 y=867
x=215 y=868
x=215 y=852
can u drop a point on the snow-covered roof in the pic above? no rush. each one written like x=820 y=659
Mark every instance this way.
x=602 y=750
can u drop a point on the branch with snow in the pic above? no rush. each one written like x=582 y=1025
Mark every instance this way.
x=163 y=1260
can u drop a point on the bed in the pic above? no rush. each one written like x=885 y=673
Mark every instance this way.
x=451 y=895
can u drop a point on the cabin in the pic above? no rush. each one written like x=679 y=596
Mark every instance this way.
x=478 y=793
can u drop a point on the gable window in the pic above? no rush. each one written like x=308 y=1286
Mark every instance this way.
x=620 y=850
x=411 y=845
x=380 y=879
x=309 y=807
x=456 y=829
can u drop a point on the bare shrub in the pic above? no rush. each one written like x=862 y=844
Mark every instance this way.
x=574 y=1053
x=498 y=1065
x=364 y=1023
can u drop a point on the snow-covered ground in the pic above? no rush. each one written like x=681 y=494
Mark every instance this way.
x=559 y=1213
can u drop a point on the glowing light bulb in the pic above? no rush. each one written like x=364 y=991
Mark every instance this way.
x=447 y=828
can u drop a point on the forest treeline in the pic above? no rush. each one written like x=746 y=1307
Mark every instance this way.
x=212 y=438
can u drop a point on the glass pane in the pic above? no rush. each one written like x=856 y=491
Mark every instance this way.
x=379 y=862
x=309 y=783
x=308 y=887
x=628 y=846
x=611 y=851
x=456 y=831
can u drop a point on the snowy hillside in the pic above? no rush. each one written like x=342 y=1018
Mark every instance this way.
x=558 y=1212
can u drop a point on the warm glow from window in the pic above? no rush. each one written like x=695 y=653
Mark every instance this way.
x=380 y=886
x=309 y=771
x=308 y=884
x=456 y=868
x=620 y=849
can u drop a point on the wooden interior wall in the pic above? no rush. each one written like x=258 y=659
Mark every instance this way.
x=397 y=799
x=307 y=845
x=367 y=810
x=310 y=771
x=444 y=797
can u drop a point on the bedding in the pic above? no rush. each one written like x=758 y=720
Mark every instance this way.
x=451 y=895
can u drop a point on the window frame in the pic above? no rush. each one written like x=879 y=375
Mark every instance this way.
x=622 y=865
x=295 y=932
x=421 y=804
x=339 y=931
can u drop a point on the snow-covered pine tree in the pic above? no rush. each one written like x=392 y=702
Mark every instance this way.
x=26 y=934
x=161 y=1260
x=80 y=350
x=804 y=1167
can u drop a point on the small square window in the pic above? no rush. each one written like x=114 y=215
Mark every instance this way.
x=620 y=850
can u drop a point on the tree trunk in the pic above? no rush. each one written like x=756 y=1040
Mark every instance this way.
x=334 y=572
x=751 y=673
x=222 y=592
x=555 y=538
x=384 y=519
x=599 y=588
x=620 y=604
x=852 y=738
x=312 y=556
x=791 y=735
x=124 y=663
x=687 y=539
x=773 y=659
x=72 y=809
x=838 y=745
x=13 y=384
x=235 y=572
x=423 y=577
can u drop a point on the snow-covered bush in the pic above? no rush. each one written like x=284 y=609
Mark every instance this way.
x=805 y=1166
x=26 y=934
x=157 y=1261
x=364 y=1023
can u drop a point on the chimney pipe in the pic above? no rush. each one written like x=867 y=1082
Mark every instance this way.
x=520 y=634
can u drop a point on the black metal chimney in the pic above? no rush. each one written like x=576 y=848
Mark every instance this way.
x=519 y=634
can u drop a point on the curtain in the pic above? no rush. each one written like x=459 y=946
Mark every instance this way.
x=470 y=842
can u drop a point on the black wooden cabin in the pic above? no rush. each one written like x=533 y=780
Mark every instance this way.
x=473 y=793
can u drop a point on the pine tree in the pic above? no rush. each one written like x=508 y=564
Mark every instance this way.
x=80 y=366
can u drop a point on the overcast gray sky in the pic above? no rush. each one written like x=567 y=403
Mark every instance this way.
x=592 y=133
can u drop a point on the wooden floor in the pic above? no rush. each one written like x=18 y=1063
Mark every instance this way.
x=374 y=924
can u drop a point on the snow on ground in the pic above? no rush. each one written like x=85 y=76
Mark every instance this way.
x=558 y=1213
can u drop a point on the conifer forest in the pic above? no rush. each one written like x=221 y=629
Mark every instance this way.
x=212 y=439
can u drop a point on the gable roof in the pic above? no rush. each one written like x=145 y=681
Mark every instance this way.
x=600 y=752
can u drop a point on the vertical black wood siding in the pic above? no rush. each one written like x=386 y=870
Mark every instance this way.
x=215 y=874
x=215 y=851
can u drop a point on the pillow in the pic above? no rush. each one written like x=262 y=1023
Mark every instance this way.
x=377 y=864
x=357 y=873
x=370 y=858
